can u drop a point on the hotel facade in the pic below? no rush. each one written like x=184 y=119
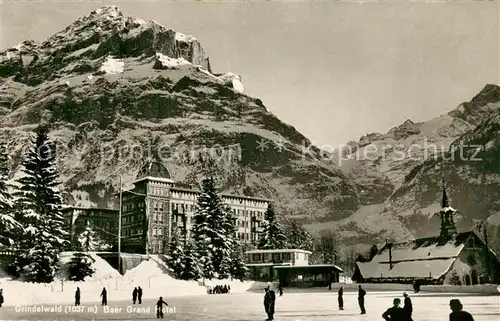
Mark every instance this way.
x=156 y=207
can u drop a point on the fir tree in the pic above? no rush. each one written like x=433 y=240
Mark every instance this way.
x=455 y=278
x=212 y=232
x=192 y=270
x=373 y=252
x=271 y=236
x=8 y=224
x=175 y=255
x=89 y=239
x=80 y=266
x=238 y=268
x=39 y=209
x=297 y=237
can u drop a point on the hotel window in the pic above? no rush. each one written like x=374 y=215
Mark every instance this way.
x=256 y=258
x=161 y=206
x=154 y=231
x=276 y=257
x=159 y=232
x=160 y=218
x=286 y=256
x=155 y=206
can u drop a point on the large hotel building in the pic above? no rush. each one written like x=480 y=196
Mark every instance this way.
x=169 y=208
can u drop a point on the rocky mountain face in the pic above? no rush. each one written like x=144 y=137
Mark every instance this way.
x=115 y=91
x=399 y=174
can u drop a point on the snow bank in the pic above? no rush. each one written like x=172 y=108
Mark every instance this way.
x=103 y=271
x=236 y=285
x=113 y=66
x=479 y=288
x=148 y=274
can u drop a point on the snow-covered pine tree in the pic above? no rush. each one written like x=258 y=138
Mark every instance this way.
x=8 y=224
x=271 y=236
x=39 y=208
x=175 y=254
x=89 y=240
x=211 y=232
x=238 y=268
x=223 y=253
x=297 y=237
x=80 y=266
x=192 y=270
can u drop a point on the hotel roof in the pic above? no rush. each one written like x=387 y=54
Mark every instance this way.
x=278 y=251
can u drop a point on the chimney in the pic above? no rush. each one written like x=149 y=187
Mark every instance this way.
x=389 y=245
x=390 y=256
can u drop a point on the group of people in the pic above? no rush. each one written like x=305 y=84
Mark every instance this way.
x=137 y=295
x=398 y=313
x=218 y=289
x=361 y=298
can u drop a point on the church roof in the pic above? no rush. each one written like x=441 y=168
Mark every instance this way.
x=430 y=257
x=433 y=269
x=424 y=248
x=153 y=169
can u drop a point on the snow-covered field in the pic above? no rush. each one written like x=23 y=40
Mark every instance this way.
x=289 y=307
x=150 y=275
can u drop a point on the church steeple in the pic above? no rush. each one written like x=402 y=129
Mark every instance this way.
x=444 y=201
x=447 y=212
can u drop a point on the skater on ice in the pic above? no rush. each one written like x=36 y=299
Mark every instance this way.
x=139 y=294
x=341 y=298
x=269 y=301
x=408 y=307
x=159 y=307
x=457 y=313
x=77 y=296
x=394 y=313
x=1 y=297
x=361 y=299
x=104 y=295
x=134 y=296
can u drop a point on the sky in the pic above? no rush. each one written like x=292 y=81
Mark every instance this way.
x=335 y=71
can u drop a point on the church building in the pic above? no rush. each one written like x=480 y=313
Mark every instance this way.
x=450 y=258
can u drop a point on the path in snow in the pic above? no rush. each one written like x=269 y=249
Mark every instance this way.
x=289 y=307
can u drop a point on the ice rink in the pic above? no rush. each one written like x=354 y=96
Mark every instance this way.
x=249 y=306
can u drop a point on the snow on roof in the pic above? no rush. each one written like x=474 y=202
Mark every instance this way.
x=313 y=266
x=156 y=179
x=408 y=269
x=423 y=249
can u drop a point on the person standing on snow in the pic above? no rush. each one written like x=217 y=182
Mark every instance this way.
x=139 y=294
x=134 y=295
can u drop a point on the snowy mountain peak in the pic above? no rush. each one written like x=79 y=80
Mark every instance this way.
x=184 y=38
x=109 y=10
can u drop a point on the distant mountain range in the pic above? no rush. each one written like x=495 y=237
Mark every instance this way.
x=116 y=90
